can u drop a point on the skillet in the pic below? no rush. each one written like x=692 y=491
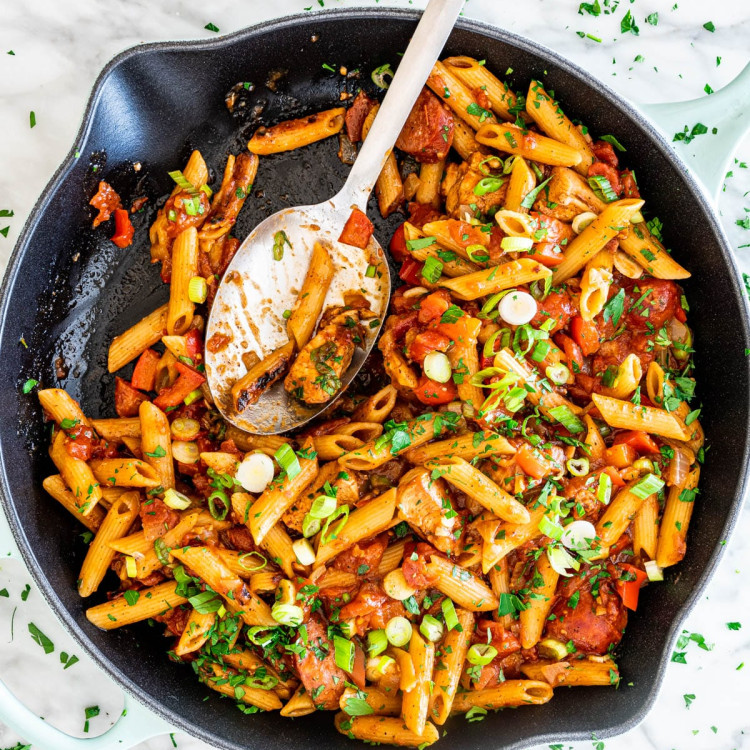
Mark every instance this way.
x=68 y=291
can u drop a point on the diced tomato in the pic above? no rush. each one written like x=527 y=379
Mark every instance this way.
x=547 y=253
x=604 y=152
x=641 y=441
x=621 y=456
x=123 y=235
x=144 y=375
x=187 y=381
x=127 y=399
x=609 y=173
x=432 y=393
x=106 y=201
x=194 y=343
x=422 y=213
x=629 y=590
x=358 y=671
x=80 y=442
x=629 y=185
x=614 y=475
x=465 y=329
x=679 y=313
x=357 y=230
x=466 y=234
x=572 y=351
x=584 y=333
x=426 y=342
x=411 y=272
x=434 y=305
x=533 y=462
x=398 y=245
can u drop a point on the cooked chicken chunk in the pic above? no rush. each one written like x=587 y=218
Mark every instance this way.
x=567 y=195
x=459 y=183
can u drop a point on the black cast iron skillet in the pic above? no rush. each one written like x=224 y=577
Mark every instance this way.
x=69 y=290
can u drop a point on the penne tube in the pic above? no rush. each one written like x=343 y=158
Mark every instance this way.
x=389 y=188
x=495 y=279
x=77 y=475
x=115 y=430
x=467 y=478
x=124 y=472
x=627 y=378
x=267 y=444
x=152 y=601
x=649 y=253
x=615 y=218
x=628 y=416
x=508 y=693
x=454 y=262
x=464 y=141
x=450 y=658
x=363 y=431
x=476 y=77
x=594 y=439
x=311 y=297
x=471 y=445
x=55 y=486
x=133 y=342
x=333 y=578
x=569 y=673
x=464 y=359
x=548 y=115
x=595 y=284
x=331 y=447
x=222 y=681
x=60 y=406
x=382 y=702
x=196 y=633
x=156 y=442
x=618 y=515
x=99 y=556
x=445 y=83
x=208 y=566
x=221 y=462
x=416 y=702
x=247 y=661
x=462 y=586
x=430 y=176
x=522 y=181
x=500 y=582
x=538 y=602
x=386 y=730
x=377 y=407
x=264 y=582
x=391 y=558
x=377 y=452
x=645 y=527
x=675 y=521
x=513 y=140
x=184 y=267
x=293 y=134
x=261 y=376
x=509 y=536
x=364 y=522
x=407 y=673
x=300 y=704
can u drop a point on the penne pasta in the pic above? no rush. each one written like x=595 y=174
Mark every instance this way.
x=61 y=407
x=522 y=181
x=416 y=701
x=77 y=475
x=196 y=633
x=293 y=134
x=55 y=486
x=513 y=140
x=462 y=586
x=675 y=520
x=450 y=658
x=117 y=429
x=445 y=83
x=618 y=515
x=184 y=266
x=476 y=77
x=261 y=376
x=578 y=672
x=495 y=279
x=151 y=602
x=124 y=472
x=133 y=342
x=377 y=407
x=628 y=416
x=645 y=527
x=384 y=729
x=508 y=693
x=389 y=188
x=648 y=252
x=156 y=443
x=471 y=445
x=538 y=602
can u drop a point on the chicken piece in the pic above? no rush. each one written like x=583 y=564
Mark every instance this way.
x=315 y=375
x=459 y=183
x=426 y=506
x=567 y=194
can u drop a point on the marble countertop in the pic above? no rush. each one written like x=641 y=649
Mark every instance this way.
x=55 y=50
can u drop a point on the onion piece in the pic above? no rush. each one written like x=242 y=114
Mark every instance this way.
x=517 y=308
x=561 y=561
x=437 y=367
x=255 y=472
x=578 y=535
x=653 y=571
x=678 y=468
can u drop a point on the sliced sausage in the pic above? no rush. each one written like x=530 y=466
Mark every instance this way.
x=428 y=132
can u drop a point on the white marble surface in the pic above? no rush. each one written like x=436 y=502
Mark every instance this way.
x=59 y=49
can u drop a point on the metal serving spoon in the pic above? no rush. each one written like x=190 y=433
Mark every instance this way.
x=256 y=289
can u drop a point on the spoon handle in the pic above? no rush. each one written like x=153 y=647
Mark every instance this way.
x=424 y=48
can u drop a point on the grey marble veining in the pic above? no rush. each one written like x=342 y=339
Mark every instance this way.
x=60 y=47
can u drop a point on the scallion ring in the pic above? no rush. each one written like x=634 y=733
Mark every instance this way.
x=578 y=467
x=221 y=496
x=377 y=642
x=558 y=373
x=287 y=614
x=379 y=75
x=481 y=654
x=431 y=628
x=488 y=185
x=245 y=566
x=310 y=526
x=398 y=631
x=322 y=506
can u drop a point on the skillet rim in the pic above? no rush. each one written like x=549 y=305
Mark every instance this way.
x=494 y=33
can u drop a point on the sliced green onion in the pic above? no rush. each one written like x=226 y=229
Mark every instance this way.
x=261 y=635
x=602 y=187
x=377 y=642
x=604 y=490
x=524 y=332
x=379 y=75
x=566 y=418
x=130 y=566
x=221 y=496
x=581 y=221
x=176 y=500
x=398 y=631
x=343 y=650
x=481 y=654
x=370 y=272
x=489 y=346
x=541 y=350
x=322 y=506
x=287 y=460
x=561 y=561
x=550 y=528
x=287 y=614
x=653 y=571
x=266 y=682
x=578 y=467
x=193 y=396
x=343 y=512
x=431 y=628
x=310 y=526
x=579 y=535
x=432 y=270
x=162 y=551
x=437 y=367
x=303 y=551
x=647 y=486
x=183 y=182
x=516 y=244
x=385 y=664
x=488 y=185
x=449 y=614
x=197 y=290
x=478 y=253
x=558 y=373
x=245 y=566
x=207 y=190
x=172 y=215
x=279 y=240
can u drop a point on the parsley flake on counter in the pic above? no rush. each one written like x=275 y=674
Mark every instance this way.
x=709 y=26
x=90 y=713
x=41 y=639
x=734 y=625
x=653 y=19
x=628 y=24
x=593 y=9
x=32 y=118
x=211 y=27
x=68 y=661
x=689 y=698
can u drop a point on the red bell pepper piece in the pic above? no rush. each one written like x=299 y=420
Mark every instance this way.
x=584 y=333
x=533 y=463
x=679 y=313
x=187 y=381
x=144 y=375
x=464 y=330
x=123 y=235
x=194 y=344
x=411 y=272
x=547 y=253
x=398 y=245
x=629 y=589
x=433 y=306
x=357 y=230
x=637 y=439
x=614 y=475
x=432 y=393
x=426 y=342
x=127 y=399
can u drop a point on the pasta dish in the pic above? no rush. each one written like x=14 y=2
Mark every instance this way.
x=473 y=531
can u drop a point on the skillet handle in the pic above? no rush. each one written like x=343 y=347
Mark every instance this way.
x=136 y=724
x=727 y=110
